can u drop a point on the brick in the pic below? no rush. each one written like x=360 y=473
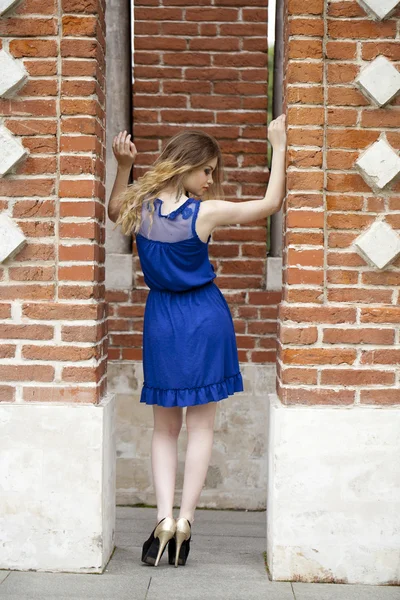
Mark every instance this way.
x=7 y=351
x=63 y=353
x=382 y=396
x=371 y=50
x=80 y=6
x=27 y=332
x=42 y=68
x=26 y=373
x=361 y=29
x=27 y=292
x=302 y=72
x=25 y=27
x=342 y=96
x=360 y=296
x=71 y=333
x=356 y=377
x=305 y=137
x=379 y=118
x=311 y=27
x=319 y=356
x=305 y=116
x=31 y=273
x=6 y=393
x=298 y=336
x=341 y=50
x=42 y=252
x=33 y=48
x=341 y=73
x=82 y=374
x=305 y=180
x=381 y=357
x=79 y=26
x=60 y=311
x=304 y=49
x=78 y=48
x=302 y=375
x=358 y=336
x=61 y=394
x=342 y=116
x=304 y=95
x=345 y=9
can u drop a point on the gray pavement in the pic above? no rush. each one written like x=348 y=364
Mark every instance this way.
x=226 y=562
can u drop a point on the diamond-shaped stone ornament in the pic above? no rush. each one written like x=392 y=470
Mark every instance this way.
x=379 y=9
x=379 y=164
x=379 y=246
x=379 y=81
x=6 y=5
x=11 y=238
x=12 y=74
x=11 y=151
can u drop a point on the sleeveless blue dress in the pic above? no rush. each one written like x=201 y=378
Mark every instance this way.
x=189 y=346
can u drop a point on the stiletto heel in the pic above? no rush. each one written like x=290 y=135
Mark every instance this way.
x=154 y=547
x=164 y=537
x=182 y=541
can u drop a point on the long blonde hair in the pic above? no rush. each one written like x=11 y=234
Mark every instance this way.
x=184 y=152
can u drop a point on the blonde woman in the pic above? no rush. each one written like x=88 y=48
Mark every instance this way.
x=190 y=355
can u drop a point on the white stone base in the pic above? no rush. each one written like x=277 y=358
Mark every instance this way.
x=333 y=505
x=57 y=486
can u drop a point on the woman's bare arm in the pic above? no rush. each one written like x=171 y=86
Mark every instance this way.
x=221 y=212
x=125 y=153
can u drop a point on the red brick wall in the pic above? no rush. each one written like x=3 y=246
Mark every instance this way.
x=205 y=67
x=52 y=311
x=338 y=336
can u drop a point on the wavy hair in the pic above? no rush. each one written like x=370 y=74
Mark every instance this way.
x=184 y=152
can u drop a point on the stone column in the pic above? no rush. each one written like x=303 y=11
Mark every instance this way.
x=57 y=476
x=119 y=271
x=333 y=489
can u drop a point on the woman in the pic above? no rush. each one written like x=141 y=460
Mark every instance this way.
x=190 y=355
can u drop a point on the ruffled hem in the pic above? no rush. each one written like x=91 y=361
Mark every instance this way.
x=192 y=396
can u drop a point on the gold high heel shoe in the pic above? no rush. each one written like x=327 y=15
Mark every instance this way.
x=182 y=537
x=153 y=549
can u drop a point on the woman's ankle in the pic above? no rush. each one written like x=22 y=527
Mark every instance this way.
x=188 y=517
x=161 y=516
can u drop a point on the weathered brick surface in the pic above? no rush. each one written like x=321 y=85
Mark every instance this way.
x=206 y=67
x=337 y=340
x=52 y=311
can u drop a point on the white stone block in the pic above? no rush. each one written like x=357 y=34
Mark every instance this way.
x=274 y=273
x=379 y=246
x=57 y=486
x=379 y=9
x=11 y=238
x=12 y=74
x=379 y=81
x=333 y=505
x=379 y=164
x=119 y=272
x=6 y=5
x=11 y=151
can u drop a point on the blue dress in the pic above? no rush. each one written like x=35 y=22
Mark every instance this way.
x=189 y=347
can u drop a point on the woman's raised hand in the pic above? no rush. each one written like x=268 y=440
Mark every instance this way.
x=277 y=132
x=124 y=150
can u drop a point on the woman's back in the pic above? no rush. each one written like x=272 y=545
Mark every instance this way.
x=172 y=256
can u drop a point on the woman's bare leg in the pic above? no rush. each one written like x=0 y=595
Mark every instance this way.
x=164 y=456
x=200 y=431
